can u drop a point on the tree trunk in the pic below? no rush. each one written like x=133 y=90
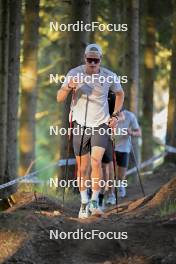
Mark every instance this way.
x=114 y=57
x=171 y=121
x=134 y=69
x=93 y=13
x=10 y=61
x=79 y=39
x=126 y=66
x=131 y=54
x=4 y=40
x=131 y=64
x=149 y=66
x=13 y=87
x=29 y=86
x=134 y=72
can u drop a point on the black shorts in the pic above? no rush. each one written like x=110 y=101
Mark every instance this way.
x=84 y=138
x=108 y=155
x=122 y=159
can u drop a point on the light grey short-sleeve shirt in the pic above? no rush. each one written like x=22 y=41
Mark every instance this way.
x=122 y=142
x=91 y=105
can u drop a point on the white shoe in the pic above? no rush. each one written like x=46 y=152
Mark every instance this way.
x=111 y=200
x=122 y=191
x=94 y=208
x=84 y=211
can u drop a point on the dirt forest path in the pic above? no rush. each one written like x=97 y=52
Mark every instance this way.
x=25 y=230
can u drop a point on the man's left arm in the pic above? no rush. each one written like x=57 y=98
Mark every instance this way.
x=117 y=89
x=119 y=93
x=118 y=106
x=119 y=101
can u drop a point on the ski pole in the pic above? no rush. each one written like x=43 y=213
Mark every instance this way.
x=137 y=169
x=82 y=141
x=68 y=145
x=115 y=171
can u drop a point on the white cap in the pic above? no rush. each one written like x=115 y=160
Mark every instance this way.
x=93 y=48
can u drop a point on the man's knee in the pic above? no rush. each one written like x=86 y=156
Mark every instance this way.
x=83 y=164
x=82 y=170
x=96 y=163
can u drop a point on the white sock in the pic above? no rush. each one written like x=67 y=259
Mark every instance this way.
x=84 y=197
x=95 y=195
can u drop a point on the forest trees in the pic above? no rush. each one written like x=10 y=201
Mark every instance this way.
x=29 y=86
x=134 y=69
x=79 y=39
x=124 y=52
x=4 y=37
x=9 y=84
x=148 y=81
x=134 y=60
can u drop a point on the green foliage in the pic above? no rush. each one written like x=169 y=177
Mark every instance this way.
x=69 y=196
x=168 y=208
x=50 y=60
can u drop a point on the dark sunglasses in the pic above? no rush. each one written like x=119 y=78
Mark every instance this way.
x=90 y=60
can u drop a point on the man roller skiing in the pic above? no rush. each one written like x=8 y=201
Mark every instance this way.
x=90 y=115
x=123 y=145
x=122 y=151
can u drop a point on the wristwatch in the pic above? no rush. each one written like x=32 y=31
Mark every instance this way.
x=115 y=114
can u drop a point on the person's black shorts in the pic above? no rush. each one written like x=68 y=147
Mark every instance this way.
x=122 y=159
x=84 y=138
x=108 y=155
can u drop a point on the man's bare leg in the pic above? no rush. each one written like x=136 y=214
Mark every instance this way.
x=96 y=174
x=83 y=168
x=121 y=173
x=108 y=174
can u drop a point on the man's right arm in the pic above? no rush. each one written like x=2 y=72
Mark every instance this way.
x=63 y=93
x=66 y=89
